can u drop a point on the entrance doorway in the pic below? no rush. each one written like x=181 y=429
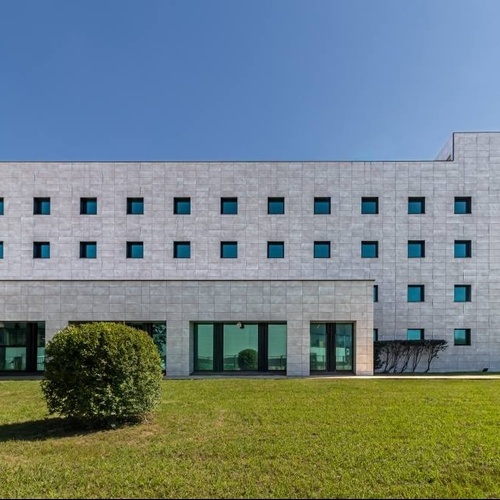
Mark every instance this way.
x=332 y=347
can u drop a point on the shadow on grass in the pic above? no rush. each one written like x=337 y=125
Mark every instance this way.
x=40 y=430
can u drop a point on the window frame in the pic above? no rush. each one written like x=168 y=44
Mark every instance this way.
x=421 y=294
x=467 y=244
x=228 y=200
x=467 y=339
x=467 y=292
x=365 y=204
x=276 y=200
x=40 y=248
x=278 y=245
x=318 y=245
x=84 y=247
x=467 y=201
x=130 y=249
x=365 y=245
x=84 y=205
x=416 y=199
x=178 y=200
x=225 y=245
x=131 y=201
x=40 y=204
x=322 y=199
x=420 y=244
x=421 y=334
x=179 y=247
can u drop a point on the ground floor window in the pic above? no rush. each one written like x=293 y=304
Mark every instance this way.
x=155 y=329
x=22 y=346
x=332 y=347
x=236 y=347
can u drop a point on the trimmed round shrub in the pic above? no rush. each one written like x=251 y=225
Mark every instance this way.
x=247 y=359
x=102 y=374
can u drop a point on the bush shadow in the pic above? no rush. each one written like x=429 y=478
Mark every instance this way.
x=43 y=429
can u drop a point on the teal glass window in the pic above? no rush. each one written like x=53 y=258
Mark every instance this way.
x=22 y=346
x=204 y=347
x=416 y=293
x=369 y=249
x=321 y=249
x=88 y=250
x=135 y=206
x=88 y=206
x=182 y=250
x=375 y=334
x=462 y=293
x=375 y=293
x=369 y=205
x=1 y=206
x=462 y=249
x=415 y=334
x=463 y=205
x=461 y=336
x=276 y=206
x=229 y=249
x=135 y=250
x=416 y=205
x=240 y=347
x=41 y=250
x=229 y=206
x=322 y=205
x=41 y=206
x=275 y=249
x=318 y=349
x=1 y=249
x=276 y=346
x=416 y=249
x=182 y=206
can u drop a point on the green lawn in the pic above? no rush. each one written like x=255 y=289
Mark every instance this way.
x=265 y=438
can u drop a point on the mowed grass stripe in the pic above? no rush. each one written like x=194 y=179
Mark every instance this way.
x=258 y=438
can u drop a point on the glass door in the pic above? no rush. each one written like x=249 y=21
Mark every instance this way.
x=332 y=347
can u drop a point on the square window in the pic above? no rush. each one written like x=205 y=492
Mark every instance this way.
x=416 y=293
x=462 y=249
x=41 y=206
x=1 y=249
x=275 y=249
x=375 y=334
x=182 y=250
x=322 y=206
x=463 y=205
x=135 y=206
x=369 y=249
x=228 y=249
x=462 y=293
x=375 y=293
x=416 y=205
x=229 y=206
x=88 y=249
x=88 y=206
x=415 y=334
x=1 y=206
x=416 y=249
x=369 y=205
x=182 y=206
x=41 y=250
x=462 y=336
x=321 y=249
x=135 y=250
x=276 y=206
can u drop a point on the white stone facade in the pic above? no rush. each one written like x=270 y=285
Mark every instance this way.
x=468 y=166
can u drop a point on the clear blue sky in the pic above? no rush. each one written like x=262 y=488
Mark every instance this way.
x=245 y=79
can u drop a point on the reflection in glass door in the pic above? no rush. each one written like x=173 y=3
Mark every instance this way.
x=239 y=347
x=22 y=346
x=332 y=347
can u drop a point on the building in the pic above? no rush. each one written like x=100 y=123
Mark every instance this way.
x=280 y=267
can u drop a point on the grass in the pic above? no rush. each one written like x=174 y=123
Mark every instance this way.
x=258 y=438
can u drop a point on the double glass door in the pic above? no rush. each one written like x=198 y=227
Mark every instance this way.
x=332 y=347
x=22 y=346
